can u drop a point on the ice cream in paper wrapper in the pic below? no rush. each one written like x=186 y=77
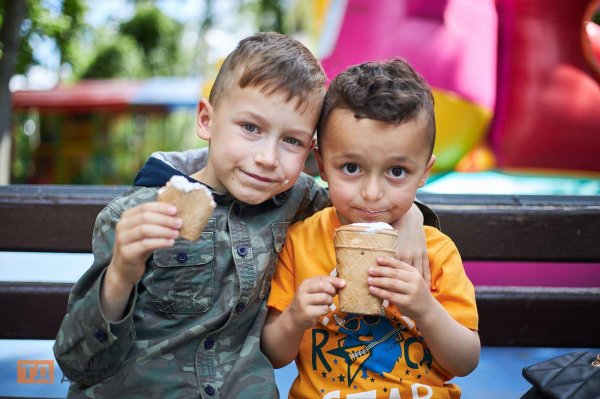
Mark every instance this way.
x=357 y=247
x=194 y=203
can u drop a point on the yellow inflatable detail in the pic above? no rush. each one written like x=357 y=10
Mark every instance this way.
x=460 y=125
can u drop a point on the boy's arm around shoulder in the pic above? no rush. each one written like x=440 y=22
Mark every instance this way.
x=88 y=347
x=450 y=325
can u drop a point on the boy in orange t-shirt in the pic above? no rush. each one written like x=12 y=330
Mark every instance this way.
x=376 y=138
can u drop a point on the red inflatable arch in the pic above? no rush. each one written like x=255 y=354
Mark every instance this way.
x=547 y=111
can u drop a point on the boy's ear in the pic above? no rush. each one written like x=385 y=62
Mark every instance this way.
x=427 y=171
x=205 y=113
x=319 y=159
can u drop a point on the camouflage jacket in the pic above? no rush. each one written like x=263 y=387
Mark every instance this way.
x=192 y=325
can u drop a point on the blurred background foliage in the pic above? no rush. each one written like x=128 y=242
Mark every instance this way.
x=103 y=147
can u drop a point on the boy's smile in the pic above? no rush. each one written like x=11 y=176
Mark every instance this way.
x=258 y=142
x=373 y=168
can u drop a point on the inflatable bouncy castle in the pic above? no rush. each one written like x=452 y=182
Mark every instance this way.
x=516 y=83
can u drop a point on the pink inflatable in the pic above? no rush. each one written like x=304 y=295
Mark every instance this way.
x=452 y=43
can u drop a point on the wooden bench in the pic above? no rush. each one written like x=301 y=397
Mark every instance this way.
x=484 y=227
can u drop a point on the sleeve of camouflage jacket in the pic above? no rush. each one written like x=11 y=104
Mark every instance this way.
x=88 y=347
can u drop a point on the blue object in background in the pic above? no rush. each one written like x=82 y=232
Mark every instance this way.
x=498 y=182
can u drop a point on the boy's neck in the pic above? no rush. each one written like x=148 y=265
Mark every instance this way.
x=201 y=176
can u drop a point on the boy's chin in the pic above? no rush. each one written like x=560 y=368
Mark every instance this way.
x=252 y=198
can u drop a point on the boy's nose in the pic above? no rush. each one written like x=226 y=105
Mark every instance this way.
x=372 y=190
x=267 y=156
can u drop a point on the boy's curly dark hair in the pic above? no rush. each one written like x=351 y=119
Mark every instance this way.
x=389 y=91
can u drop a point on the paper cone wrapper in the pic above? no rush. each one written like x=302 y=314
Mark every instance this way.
x=356 y=249
x=194 y=208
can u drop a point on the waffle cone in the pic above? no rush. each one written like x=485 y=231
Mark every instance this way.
x=356 y=249
x=194 y=208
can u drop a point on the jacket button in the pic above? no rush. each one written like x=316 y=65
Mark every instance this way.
x=242 y=250
x=239 y=308
x=100 y=335
x=182 y=257
x=209 y=343
x=209 y=390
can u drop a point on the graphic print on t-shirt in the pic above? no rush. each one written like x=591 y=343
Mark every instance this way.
x=366 y=347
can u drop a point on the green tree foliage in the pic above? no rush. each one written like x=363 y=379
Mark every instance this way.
x=121 y=58
x=146 y=45
x=269 y=14
x=59 y=21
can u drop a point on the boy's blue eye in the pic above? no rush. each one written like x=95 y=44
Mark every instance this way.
x=397 y=172
x=293 y=141
x=351 y=168
x=250 y=128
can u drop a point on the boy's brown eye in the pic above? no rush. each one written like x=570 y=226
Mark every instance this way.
x=397 y=172
x=351 y=168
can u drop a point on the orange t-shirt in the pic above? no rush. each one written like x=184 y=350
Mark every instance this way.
x=356 y=356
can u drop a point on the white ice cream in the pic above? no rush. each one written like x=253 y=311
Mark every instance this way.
x=373 y=227
x=182 y=184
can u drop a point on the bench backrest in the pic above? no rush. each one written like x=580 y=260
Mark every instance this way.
x=484 y=227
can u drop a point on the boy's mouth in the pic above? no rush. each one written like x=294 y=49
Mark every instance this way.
x=263 y=179
x=371 y=215
x=372 y=212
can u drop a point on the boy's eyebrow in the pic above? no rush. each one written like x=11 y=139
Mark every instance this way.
x=401 y=159
x=265 y=122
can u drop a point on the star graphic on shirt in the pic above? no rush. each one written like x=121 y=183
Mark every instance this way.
x=407 y=372
x=341 y=378
x=372 y=379
x=384 y=389
x=418 y=376
x=324 y=374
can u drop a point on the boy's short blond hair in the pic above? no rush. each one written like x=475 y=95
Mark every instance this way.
x=273 y=62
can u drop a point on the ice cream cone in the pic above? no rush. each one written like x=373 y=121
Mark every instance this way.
x=356 y=249
x=194 y=203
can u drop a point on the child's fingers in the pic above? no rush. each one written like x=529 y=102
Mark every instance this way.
x=146 y=232
x=393 y=262
x=150 y=218
x=155 y=206
x=390 y=284
x=324 y=284
x=320 y=298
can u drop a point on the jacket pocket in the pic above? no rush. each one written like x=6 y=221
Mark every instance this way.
x=183 y=275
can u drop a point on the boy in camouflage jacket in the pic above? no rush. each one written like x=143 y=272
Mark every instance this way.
x=159 y=316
